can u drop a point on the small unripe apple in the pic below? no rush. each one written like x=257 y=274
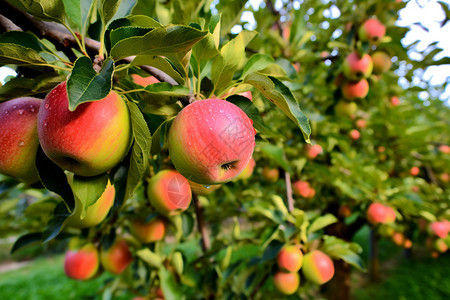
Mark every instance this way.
x=440 y=245
x=395 y=101
x=302 y=188
x=82 y=264
x=201 y=189
x=312 y=151
x=361 y=123
x=376 y=213
x=116 y=258
x=248 y=170
x=144 y=81
x=18 y=138
x=357 y=67
x=372 y=30
x=270 y=174
x=381 y=62
x=318 y=267
x=148 y=232
x=414 y=171
x=444 y=149
x=88 y=141
x=286 y=283
x=169 y=192
x=95 y=213
x=354 y=134
x=398 y=238
x=355 y=89
x=344 y=108
x=290 y=258
x=211 y=141
x=439 y=229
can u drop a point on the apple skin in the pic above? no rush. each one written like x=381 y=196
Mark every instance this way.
x=82 y=264
x=395 y=101
x=361 y=123
x=144 y=81
x=372 y=30
x=318 y=267
x=148 y=232
x=303 y=189
x=18 y=138
x=312 y=151
x=169 y=192
x=270 y=174
x=344 y=108
x=248 y=171
x=286 y=283
x=355 y=89
x=211 y=141
x=439 y=229
x=407 y=244
x=200 y=189
x=117 y=258
x=445 y=177
x=390 y=215
x=357 y=67
x=290 y=258
x=398 y=238
x=414 y=171
x=377 y=213
x=354 y=134
x=381 y=62
x=444 y=149
x=95 y=213
x=88 y=141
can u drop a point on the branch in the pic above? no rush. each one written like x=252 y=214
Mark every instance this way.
x=7 y=25
x=206 y=244
x=290 y=199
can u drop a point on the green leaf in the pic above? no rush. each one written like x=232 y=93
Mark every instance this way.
x=281 y=96
x=231 y=11
x=257 y=63
x=78 y=12
x=89 y=189
x=25 y=240
x=140 y=151
x=321 y=222
x=340 y=249
x=185 y=11
x=108 y=9
x=159 y=136
x=52 y=10
x=160 y=41
x=276 y=154
x=56 y=223
x=25 y=39
x=170 y=288
x=19 y=86
x=86 y=85
x=166 y=89
x=19 y=55
x=125 y=32
x=160 y=63
x=150 y=258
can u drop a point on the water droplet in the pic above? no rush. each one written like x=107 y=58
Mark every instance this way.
x=14 y=106
x=6 y=112
x=20 y=111
x=32 y=110
x=31 y=105
x=45 y=123
x=210 y=128
x=221 y=111
x=206 y=186
x=46 y=105
x=21 y=143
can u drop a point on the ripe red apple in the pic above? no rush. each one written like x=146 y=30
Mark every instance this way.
x=376 y=213
x=444 y=149
x=312 y=151
x=355 y=89
x=345 y=211
x=82 y=264
x=18 y=138
x=169 y=192
x=286 y=283
x=248 y=170
x=390 y=215
x=303 y=189
x=407 y=244
x=395 y=101
x=398 y=238
x=354 y=134
x=95 y=213
x=290 y=258
x=356 y=67
x=439 y=228
x=211 y=141
x=270 y=174
x=381 y=62
x=381 y=149
x=414 y=171
x=318 y=267
x=148 y=232
x=361 y=123
x=144 y=81
x=116 y=258
x=201 y=189
x=372 y=30
x=88 y=141
x=344 y=108
x=445 y=177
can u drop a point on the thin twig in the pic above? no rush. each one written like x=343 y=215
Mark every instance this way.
x=290 y=199
x=206 y=244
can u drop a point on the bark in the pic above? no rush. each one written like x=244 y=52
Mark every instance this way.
x=339 y=287
x=374 y=263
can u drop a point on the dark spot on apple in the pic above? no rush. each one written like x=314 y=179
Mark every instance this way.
x=229 y=165
x=71 y=161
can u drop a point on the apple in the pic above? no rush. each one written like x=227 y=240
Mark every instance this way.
x=381 y=62
x=313 y=150
x=371 y=30
x=169 y=192
x=444 y=149
x=377 y=213
x=434 y=254
x=144 y=81
x=361 y=123
x=445 y=177
x=356 y=67
x=440 y=246
x=303 y=189
x=414 y=171
x=354 y=134
x=395 y=101
x=390 y=215
x=116 y=258
x=148 y=232
x=318 y=267
x=381 y=149
x=440 y=229
x=211 y=141
x=344 y=108
x=82 y=264
x=407 y=244
x=88 y=141
x=355 y=89
x=398 y=238
x=290 y=258
x=247 y=94
x=248 y=170
x=95 y=213
x=344 y=211
x=18 y=138
x=286 y=283
x=415 y=189
x=270 y=174
x=201 y=189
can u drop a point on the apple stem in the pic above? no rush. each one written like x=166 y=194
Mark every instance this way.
x=290 y=199
x=206 y=244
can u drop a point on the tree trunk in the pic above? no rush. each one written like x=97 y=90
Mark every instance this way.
x=374 y=263
x=339 y=286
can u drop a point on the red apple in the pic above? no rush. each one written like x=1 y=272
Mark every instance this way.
x=376 y=213
x=318 y=267
x=88 y=141
x=344 y=108
x=381 y=62
x=144 y=81
x=354 y=134
x=286 y=283
x=201 y=189
x=414 y=171
x=169 y=192
x=372 y=30
x=395 y=101
x=444 y=149
x=361 y=123
x=445 y=177
x=355 y=89
x=381 y=149
x=390 y=215
x=82 y=264
x=312 y=151
x=270 y=174
x=211 y=141
x=407 y=244
x=290 y=258
x=345 y=211
x=18 y=138
x=357 y=67
x=303 y=189
x=148 y=232
x=116 y=258
x=438 y=228
x=248 y=171
x=398 y=238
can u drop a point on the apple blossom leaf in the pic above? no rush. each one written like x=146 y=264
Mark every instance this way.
x=108 y=9
x=25 y=240
x=50 y=10
x=169 y=285
x=78 y=12
x=281 y=96
x=321 y=222
x=150 y=257
x=276 y=154
x=89 y=189
x=160 y=63
x=160 y=41
x=15 y=54
x=86 y=85
x=140 y=150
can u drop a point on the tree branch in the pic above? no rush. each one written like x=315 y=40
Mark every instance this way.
x=206 y=244
x=290 y=199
